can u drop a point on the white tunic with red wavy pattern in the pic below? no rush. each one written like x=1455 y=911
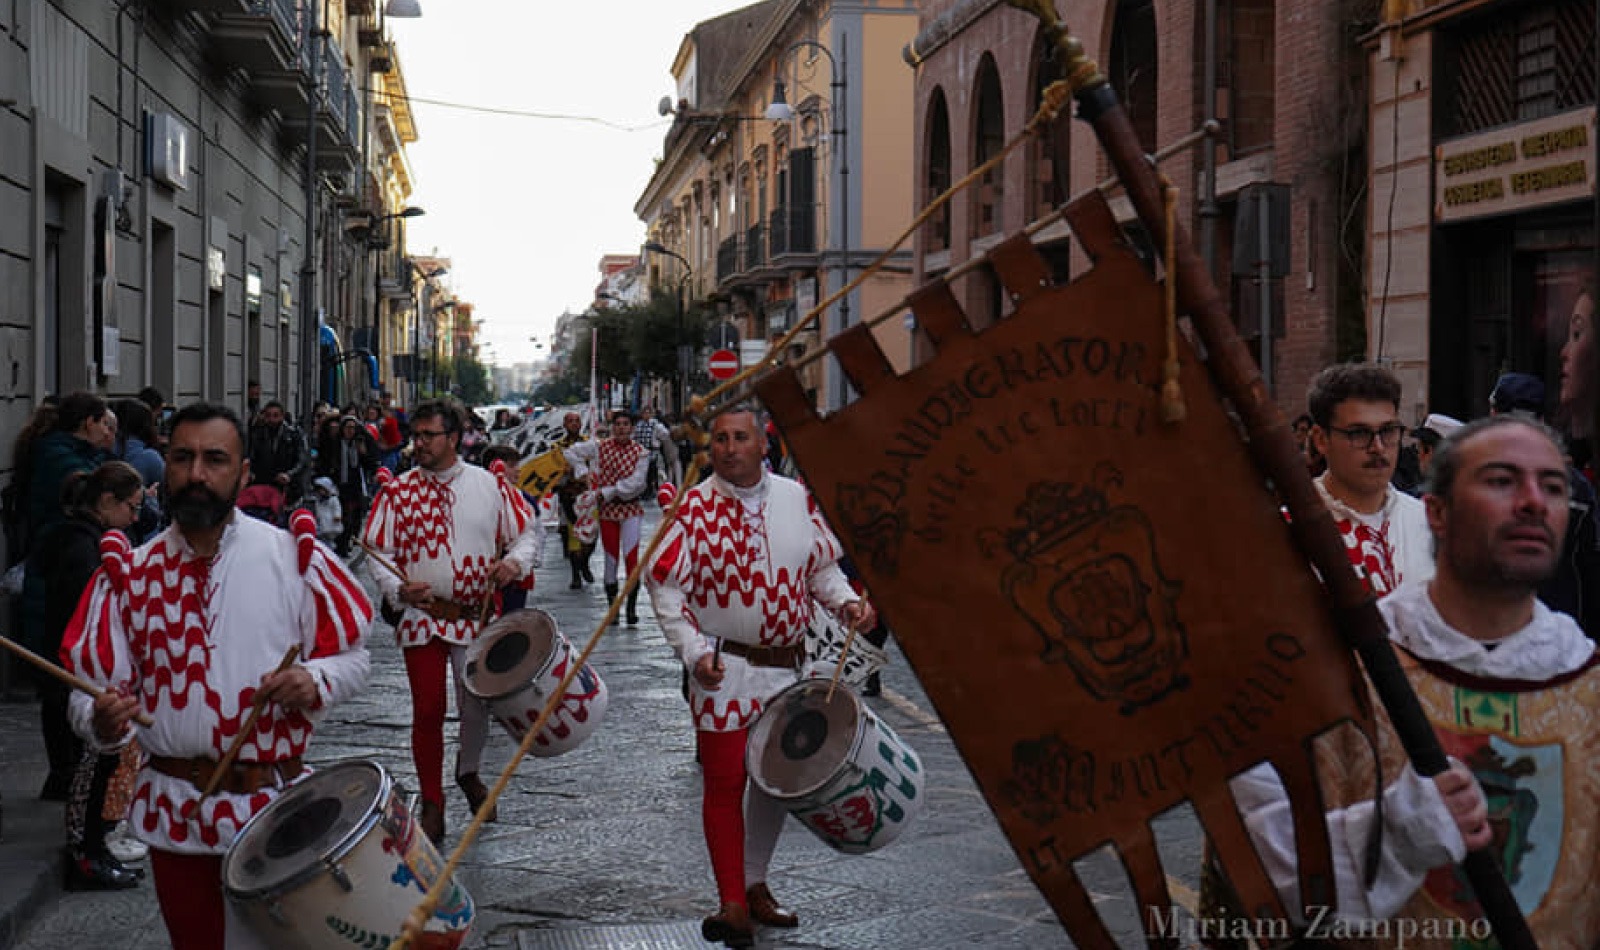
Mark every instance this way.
x=743 y=565
x=447 y=529
x=618 y=471
x=192 y=637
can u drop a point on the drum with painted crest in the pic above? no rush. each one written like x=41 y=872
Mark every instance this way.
x=515 y=666
x=835 y=766
x=338 y=861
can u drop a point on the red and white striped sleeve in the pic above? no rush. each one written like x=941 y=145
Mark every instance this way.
x=335 y=618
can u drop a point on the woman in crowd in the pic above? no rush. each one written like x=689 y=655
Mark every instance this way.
x=351 y=460
x=84 y=433
x=136 y=442
x=66 y=557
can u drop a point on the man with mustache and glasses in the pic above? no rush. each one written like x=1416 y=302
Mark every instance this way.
x=459 y=533
x=1512 y=690
x=1355 y=416
x=190 y=628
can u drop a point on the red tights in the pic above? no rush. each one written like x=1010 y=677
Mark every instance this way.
x=427 y=669
x=722 y=809
x=189 y=890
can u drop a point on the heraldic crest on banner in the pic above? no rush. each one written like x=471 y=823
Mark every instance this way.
x=1086 y=576
x=1107 y=609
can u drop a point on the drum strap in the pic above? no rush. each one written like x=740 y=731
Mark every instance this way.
x=242 y=778
x=786 y=658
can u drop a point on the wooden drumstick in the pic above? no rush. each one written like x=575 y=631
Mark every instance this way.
x=76 y=682
x=384 y=562
x=849 y=638
x=249 y=726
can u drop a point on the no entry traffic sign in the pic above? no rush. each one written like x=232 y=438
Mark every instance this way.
x=722 y=364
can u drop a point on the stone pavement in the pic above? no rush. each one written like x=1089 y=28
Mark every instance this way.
x=601 y=847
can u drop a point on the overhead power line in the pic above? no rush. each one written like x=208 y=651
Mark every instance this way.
x=521 y=113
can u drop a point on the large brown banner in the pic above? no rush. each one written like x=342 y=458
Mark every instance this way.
x=1106 y=609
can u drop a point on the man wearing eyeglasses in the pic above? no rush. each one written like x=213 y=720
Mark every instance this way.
x=458 y=533
x=1355 y=415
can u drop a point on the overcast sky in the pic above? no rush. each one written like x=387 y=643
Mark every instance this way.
x=524 y=207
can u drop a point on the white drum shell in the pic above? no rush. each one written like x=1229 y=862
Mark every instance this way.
x=363 y=897
x=873 y=793
x=572 y=721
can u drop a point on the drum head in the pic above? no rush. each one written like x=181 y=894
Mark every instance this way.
x=510 y=653
x=802 y=738
x=320 y=817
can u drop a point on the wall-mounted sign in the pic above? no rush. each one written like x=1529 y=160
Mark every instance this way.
x=167 y=149
x=216 y=269
x=1515 y=168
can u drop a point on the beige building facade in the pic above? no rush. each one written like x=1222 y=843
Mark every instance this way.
x=1482 y=209
x=764 y=219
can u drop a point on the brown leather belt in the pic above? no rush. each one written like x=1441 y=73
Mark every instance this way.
x=242 y=778
x=450 y=611
x=784 y=658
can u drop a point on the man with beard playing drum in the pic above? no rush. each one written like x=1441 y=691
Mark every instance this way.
x=189 y=628
x=733 y=589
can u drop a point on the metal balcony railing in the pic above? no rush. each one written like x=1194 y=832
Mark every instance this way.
x=755 y=247
x=285 y=13
x=336 y=82
x=793 y=230
x=727 y=258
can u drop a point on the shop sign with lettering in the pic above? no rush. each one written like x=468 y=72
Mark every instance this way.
x=1515 y=168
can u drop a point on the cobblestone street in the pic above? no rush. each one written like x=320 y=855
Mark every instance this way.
x=601 y=847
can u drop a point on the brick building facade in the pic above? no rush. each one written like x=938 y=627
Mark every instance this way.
x=1289 y=94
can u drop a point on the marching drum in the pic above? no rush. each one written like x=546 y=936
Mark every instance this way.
x=836 y=766
x=516 y=663
x=337 y=861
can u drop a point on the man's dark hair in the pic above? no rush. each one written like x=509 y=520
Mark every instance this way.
x=452 y=418
x=135 y=419
x=504 y=453
x=1345 y=381
x=273 y=404
x=199 y=412
x=622 y=414
x=152 y=397
x=76 y=409
x=1446 y=464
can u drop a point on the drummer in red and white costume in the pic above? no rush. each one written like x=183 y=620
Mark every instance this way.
x=459 y=533
x=189 y=629
x=741 y=565
x=618 y=469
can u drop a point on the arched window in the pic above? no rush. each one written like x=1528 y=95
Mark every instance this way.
x=989 y=137
x=936 y=233
x=1134 y=70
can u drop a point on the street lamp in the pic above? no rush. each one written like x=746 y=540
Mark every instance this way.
x=418 y=306
x=780 y=111
x=377 y=271
x=679 y=394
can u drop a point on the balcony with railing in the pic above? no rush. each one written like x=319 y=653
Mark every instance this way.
x=727 y=259
x=338 y=113
x=792 y=230
x=260 y=36
x=755 y=247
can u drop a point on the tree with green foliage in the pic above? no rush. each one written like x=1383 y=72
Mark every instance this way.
x=640 y=339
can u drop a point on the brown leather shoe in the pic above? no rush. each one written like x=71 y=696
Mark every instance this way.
x=765 y=910
x=731 y=927
x=432 y=822
x=473 y=787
